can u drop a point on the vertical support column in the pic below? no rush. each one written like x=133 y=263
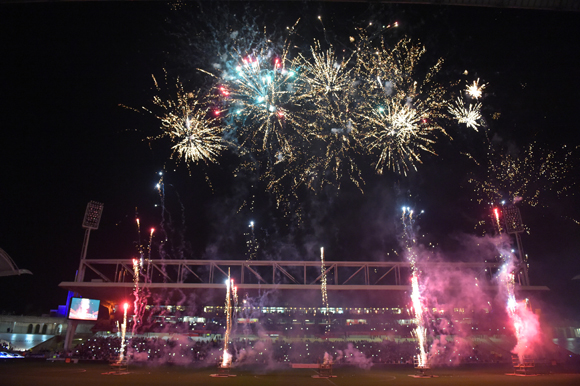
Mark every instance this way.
x=398 y=274
x=70 y=334
x=81 y=274
x=523 y=261
x=367 y=280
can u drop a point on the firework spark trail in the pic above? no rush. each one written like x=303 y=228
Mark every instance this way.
x=123 y=332
x=190 y=122
x=420 y=331
x=136 y=293
x=498 y=223
x=323 y=288
x=252 y=243
x=140 y=293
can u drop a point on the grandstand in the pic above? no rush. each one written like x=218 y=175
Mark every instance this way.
x=366 y=299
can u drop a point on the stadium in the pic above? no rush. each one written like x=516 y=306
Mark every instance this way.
x=273 y=317
x=301 y=310
x=161 y=311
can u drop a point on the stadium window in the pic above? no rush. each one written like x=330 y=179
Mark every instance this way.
x=29 y=331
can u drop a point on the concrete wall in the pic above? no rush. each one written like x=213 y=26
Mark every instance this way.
x=44 y=325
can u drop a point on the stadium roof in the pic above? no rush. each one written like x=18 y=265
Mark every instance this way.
x=8 y=266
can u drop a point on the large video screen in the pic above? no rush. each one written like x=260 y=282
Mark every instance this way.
x=84 y=309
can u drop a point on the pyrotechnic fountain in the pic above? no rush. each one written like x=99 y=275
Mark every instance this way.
x=325 y=368
x=421 y=360
x=122 y=358
x=525 y=323
x=226 y=362
x=120 y=366
x=140 y=294
x=137 y=265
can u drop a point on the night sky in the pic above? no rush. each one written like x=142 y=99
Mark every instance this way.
x=67 y=68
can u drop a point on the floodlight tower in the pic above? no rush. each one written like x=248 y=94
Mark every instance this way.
x=91 y=221
x=508 y=219
x=515 y=226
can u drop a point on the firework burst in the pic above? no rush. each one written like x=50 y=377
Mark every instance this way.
x=475 y=90
x=398 y=112
x=323 y=77
x=325 y=97
x=470 y=114
x=191 y=124
x=398 y=132
x=257 y=91
x=524 y=177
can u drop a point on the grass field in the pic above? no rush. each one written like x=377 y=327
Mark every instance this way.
x=24 y=373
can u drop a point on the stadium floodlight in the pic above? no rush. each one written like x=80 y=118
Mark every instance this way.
x=513 y=220
x=93 y=215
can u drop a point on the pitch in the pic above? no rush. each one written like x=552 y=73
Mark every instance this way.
x=26 y=373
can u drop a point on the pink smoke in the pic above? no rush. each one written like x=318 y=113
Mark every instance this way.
x=526 y=329
x=352 y=356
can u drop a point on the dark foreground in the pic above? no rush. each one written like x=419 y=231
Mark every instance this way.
x=28 y=373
